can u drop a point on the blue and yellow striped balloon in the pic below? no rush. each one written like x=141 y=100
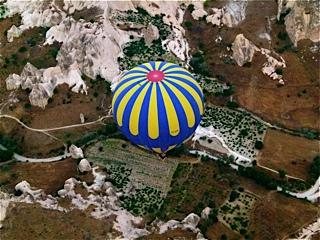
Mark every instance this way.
x=157 y=105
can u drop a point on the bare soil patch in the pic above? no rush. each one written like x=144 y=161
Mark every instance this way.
x=30 y=221
x=291 y=153
x=171 y=234
x=278 y=216
x=216 y=232
x=48 y=176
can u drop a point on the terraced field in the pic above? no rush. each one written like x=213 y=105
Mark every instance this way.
x=141 y=175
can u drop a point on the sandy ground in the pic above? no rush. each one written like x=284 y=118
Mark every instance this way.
x=290 y=153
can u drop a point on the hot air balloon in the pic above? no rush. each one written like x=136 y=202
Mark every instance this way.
x=157 y=105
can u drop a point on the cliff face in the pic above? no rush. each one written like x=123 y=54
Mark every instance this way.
x=302 y=20
x=89 y=48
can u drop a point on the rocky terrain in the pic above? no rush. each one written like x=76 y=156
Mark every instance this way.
x=251 y=171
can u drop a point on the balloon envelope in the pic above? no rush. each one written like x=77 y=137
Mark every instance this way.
x=157 y=105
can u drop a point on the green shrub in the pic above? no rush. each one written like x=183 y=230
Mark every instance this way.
x=5 y=155
x=258 y=145
x=282 y=173
x=188 y=25
x=232 y=104
x=23 y=49
x=233 y=196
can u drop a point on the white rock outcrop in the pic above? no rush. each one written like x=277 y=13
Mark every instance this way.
x=198 y=13
x=89 y=48
x=84 y=166
x=4 y=204
x=13 y=32
x=13 y=81
x=230 y=15
x=42 y=82
x=243 y=50
x=302 y=21
x=190 y=222
x=76 y=152
x=82 y=118
x=205 y=213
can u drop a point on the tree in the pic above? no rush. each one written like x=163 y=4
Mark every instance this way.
x=188 y=25
x=314 y=170
x=232 y=104
x=282 y=173
x=5 y=155
x=233 y=196
x=258 y=145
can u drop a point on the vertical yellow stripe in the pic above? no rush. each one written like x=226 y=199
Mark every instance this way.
x=153 y=122
x=157 y=64
x=172 y=117
x=193 y=93
x=124 y=102
x=136 y=109
x=185 y=77
x=125 y=85
x=187 y=108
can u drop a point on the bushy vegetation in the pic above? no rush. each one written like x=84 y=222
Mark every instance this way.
x=314 y=170
x=8 y=147
x=310 y=134
x=118 y=175
x=238 y=129
x=236 y=212
x=258 y=145
x=198 y=64
x=178 y=151
x=137 y=52
x=145 y=200
x=282 y=16
x=232 y=104
x=258 y=176
x=3 y=10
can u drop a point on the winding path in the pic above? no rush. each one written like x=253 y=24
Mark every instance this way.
x=55 y=128
x=21 y=158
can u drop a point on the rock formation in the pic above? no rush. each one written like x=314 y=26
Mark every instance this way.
x=150 y=34
x=198 y=13
x=302 y=21
x=243 y=50
x=205 y=213
x=13 y=81
x=84 y=166
x=13 y=32
x=189 y=222
x=76 y=152
x=230 y=15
